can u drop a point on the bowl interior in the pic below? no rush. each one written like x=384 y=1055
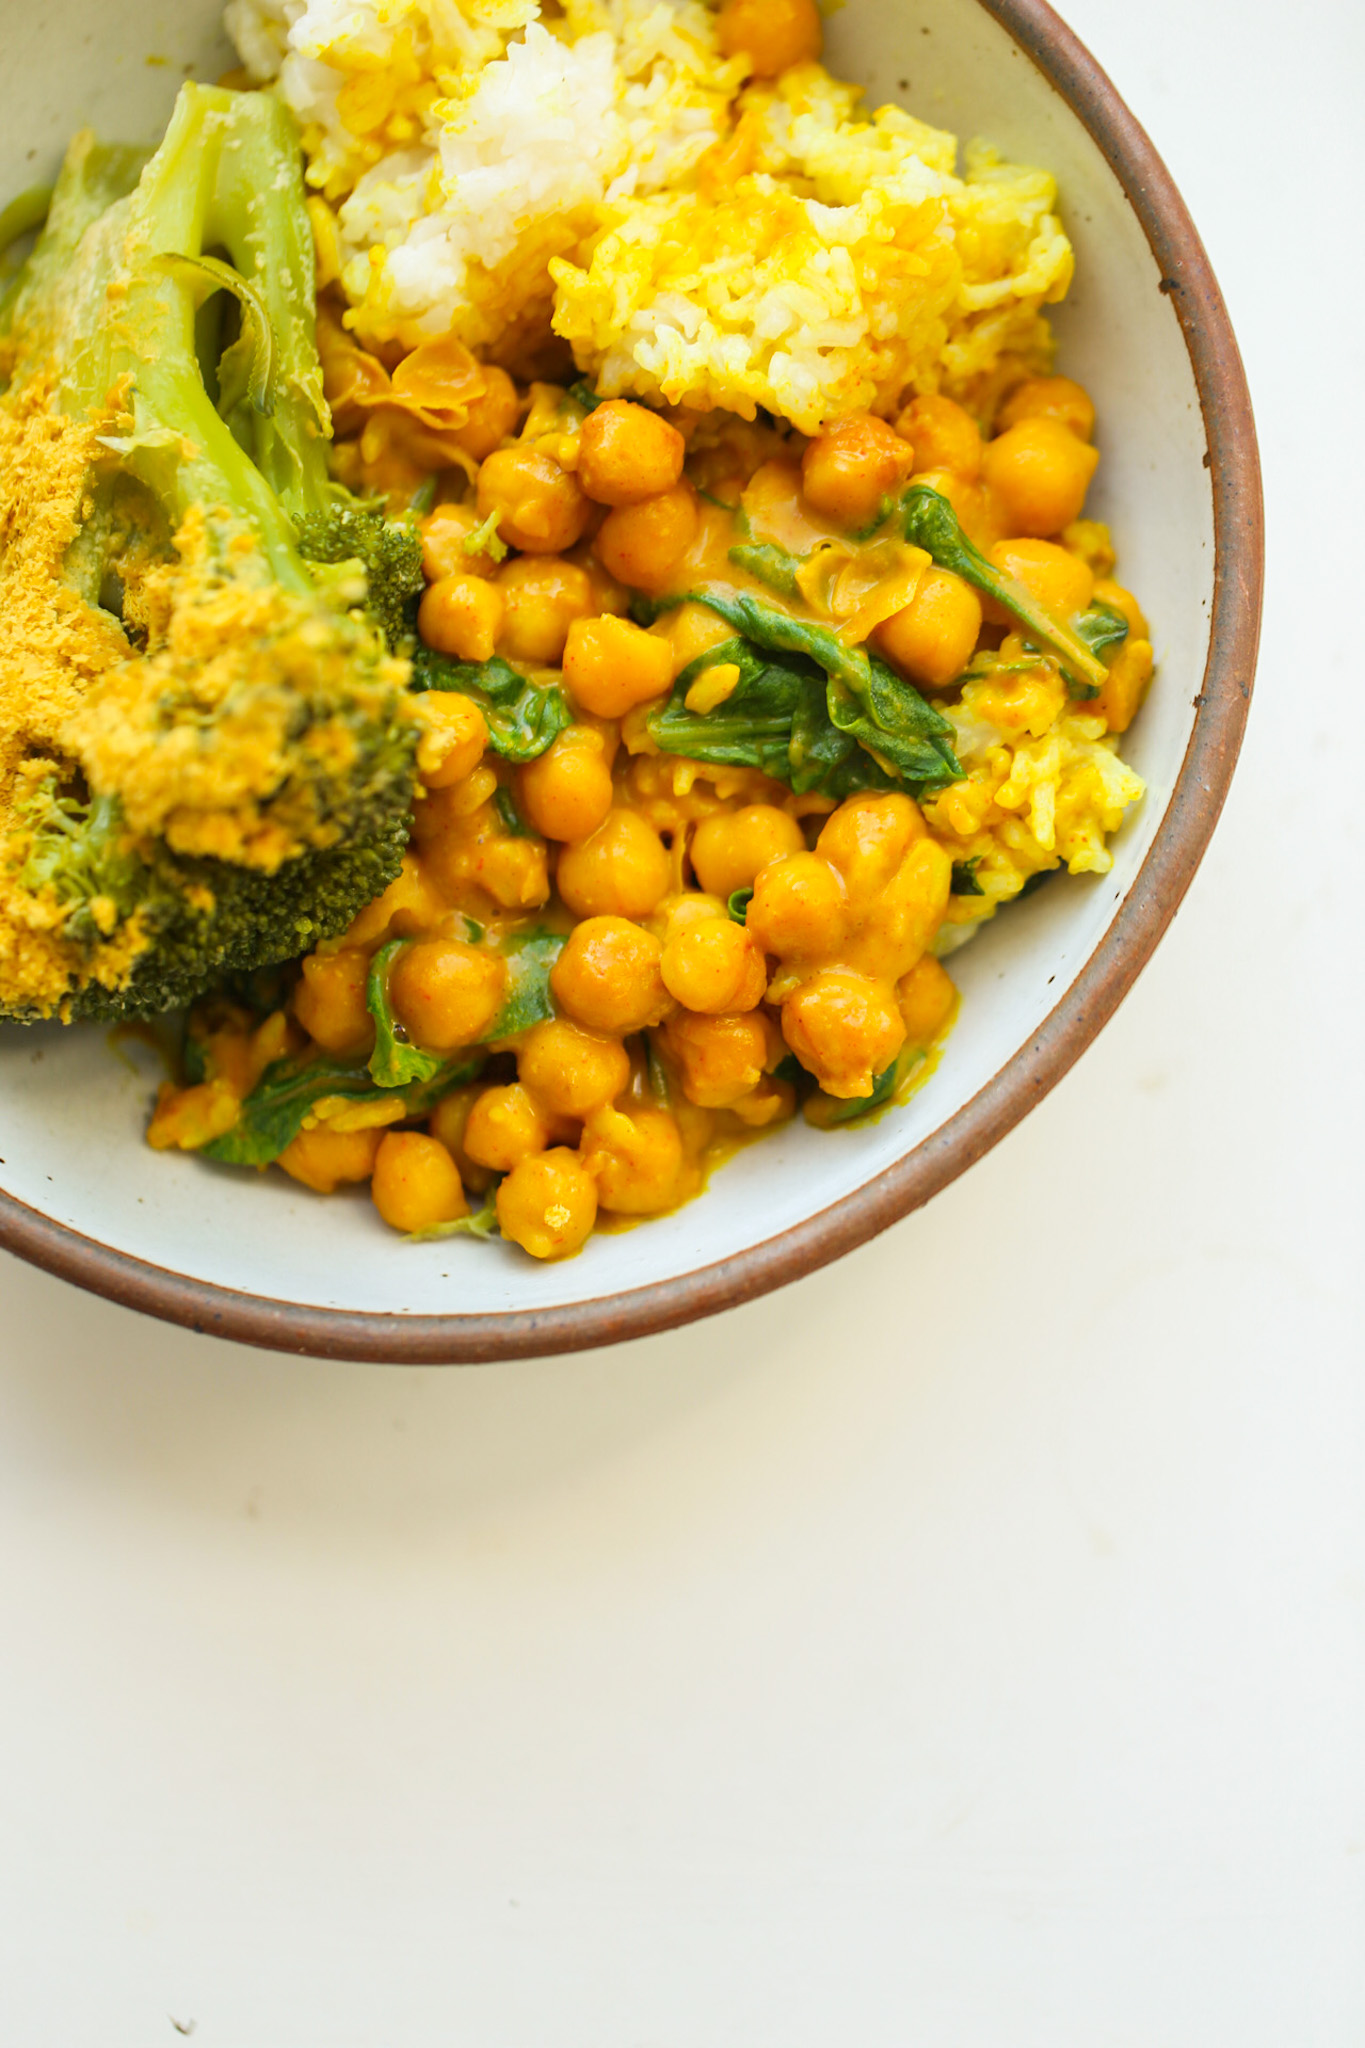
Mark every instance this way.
x=72 y=1109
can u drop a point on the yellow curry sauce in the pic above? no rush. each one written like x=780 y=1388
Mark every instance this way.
x=688 y=1015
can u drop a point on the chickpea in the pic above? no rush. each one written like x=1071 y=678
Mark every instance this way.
x=713 y=965
x=228 y=1055
x=492 y=415
x=439 y=813
x=799 y=906
x=416 y=1184
x=845 y=1029
x=729 y=849
x=1056 y=577
x=933 y=637
x=1049 y=398
x=926 y=998
x=691 y=629
x=539 y=505
x=465 y=844
x=608 y=595
x=571 y=1071
x=505 y=1126
x=454 y=736
x=611 y=665
x=636 y=1160
x=566 y=792
x=542 y=597
x=720 y=1058
x=643 y=545
x=621 y=871
x=444 y=532
x=849 y=470
x=1129 y=674
x=191 y=1117
x=977 y=512
x=1038 y=473
x=514 y=871
x=548 y=1204
x=904 y=914
x=866 y=838
x=326 y=1160
x=771 y=1102
x=409 y=904
x=461 y=615
x=1093 y=542
x=448 y=1123
x=943 y=436
x=626 y=453
x=445 y=993
x=772 y=34
x=329 y=1002
x=1113 y=594
x=608 y=977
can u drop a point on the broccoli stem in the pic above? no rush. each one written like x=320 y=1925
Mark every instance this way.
x=226 y=177
x=290 y=809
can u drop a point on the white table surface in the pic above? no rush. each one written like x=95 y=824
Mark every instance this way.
x=962 y=1649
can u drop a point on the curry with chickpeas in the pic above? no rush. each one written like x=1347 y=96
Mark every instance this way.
x=548 y=592
x=729 y=736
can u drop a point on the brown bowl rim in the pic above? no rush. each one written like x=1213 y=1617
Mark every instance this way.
x=1184 y=833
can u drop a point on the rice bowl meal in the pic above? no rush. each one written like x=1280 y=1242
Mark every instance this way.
x=549 y=592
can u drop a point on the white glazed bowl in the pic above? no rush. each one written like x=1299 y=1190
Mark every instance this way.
x=258 y=1258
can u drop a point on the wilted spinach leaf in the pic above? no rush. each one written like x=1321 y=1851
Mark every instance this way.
x=522 y=717
x=273 y=1114
x=864 y=701
x=770 y=564
x=530 y=960
x=775 y=719
x=931 y=523
x=479 y=1223
x=516 y=827
x=528 y=957
x=395 y=1061
x=1035 y=882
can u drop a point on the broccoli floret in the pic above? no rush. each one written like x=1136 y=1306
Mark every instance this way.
x=388 y=552
x=202 y=919
x=206 y=740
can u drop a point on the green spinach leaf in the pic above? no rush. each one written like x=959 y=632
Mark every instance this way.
x=395 y=1061
x=1036 y=881
x=482 y=1223
x=529 y=958
x=523 y=717
x=775 y=719
x=1104 y=630
x=516 y=827
x=964 y=881
x=530 y=961
x=273 y=1114
x=1102 y=627
x=831 y=1112
x=864 y=698
x=770 y=564
x=931 y=523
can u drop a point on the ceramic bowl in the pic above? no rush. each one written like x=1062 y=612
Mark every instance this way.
x=1145 y=330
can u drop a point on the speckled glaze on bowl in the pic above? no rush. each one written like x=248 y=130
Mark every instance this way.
x=1146 y=330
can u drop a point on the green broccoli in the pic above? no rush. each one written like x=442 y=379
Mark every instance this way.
x=206 y=740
